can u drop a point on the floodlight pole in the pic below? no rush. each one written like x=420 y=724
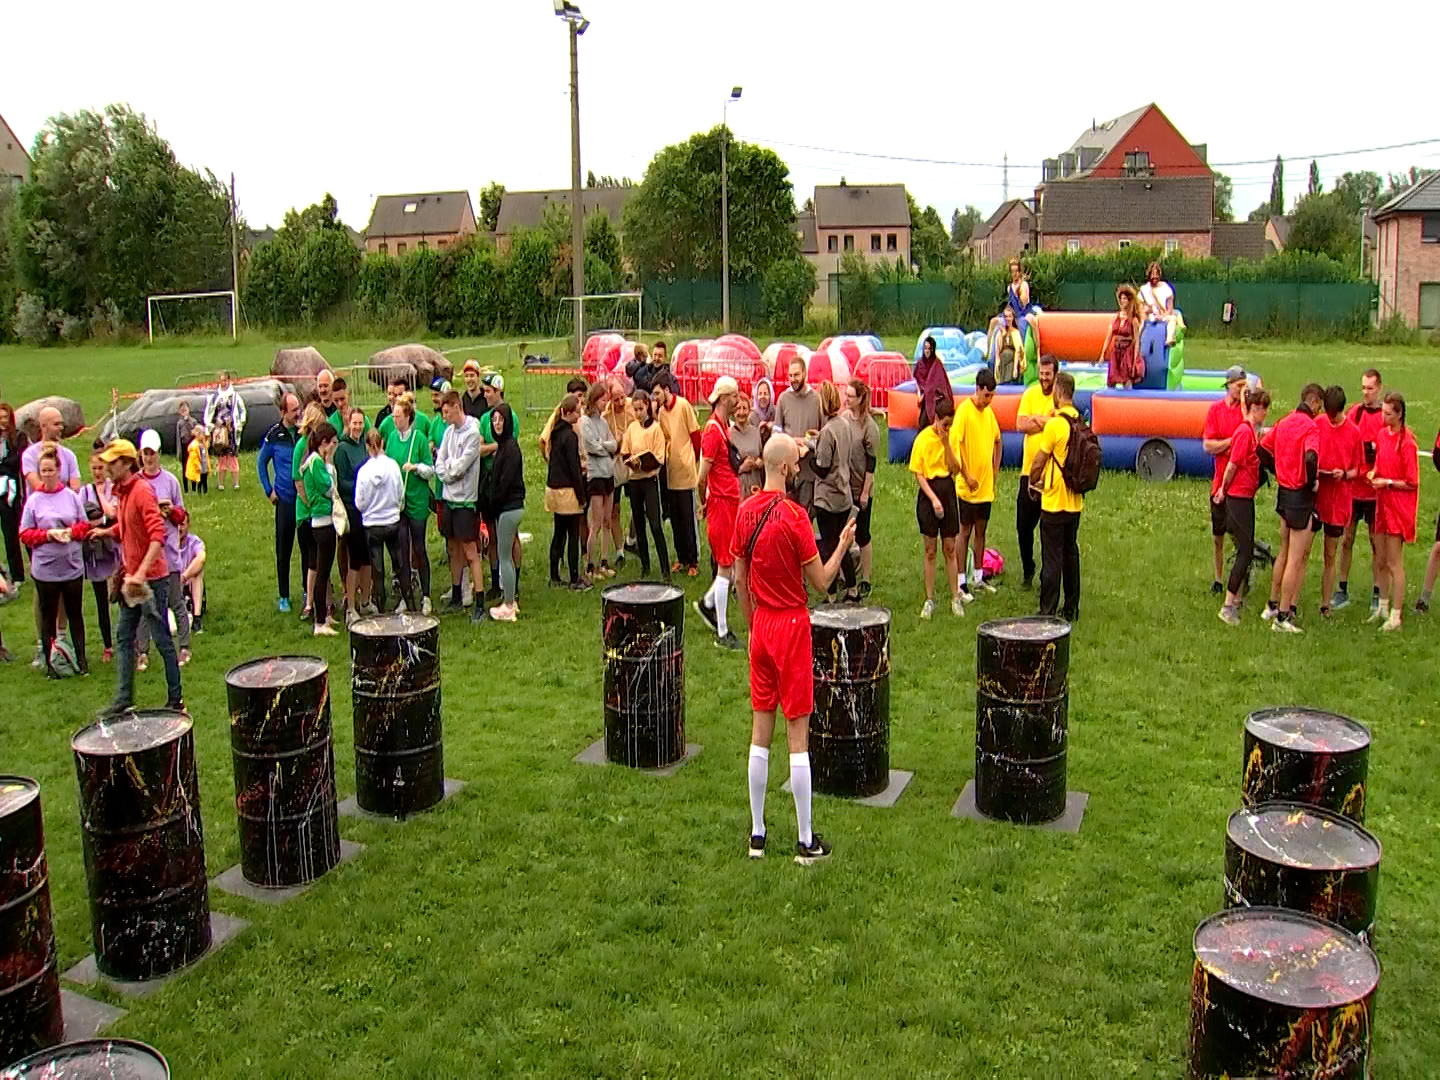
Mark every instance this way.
x=577 y=211
x=234 y=258
x=725 y=212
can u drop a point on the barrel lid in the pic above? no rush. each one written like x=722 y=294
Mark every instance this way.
x=273 y=672
x=1286 y=957
x=1312 y=731
x=16 y=793
x=849 y=616
x=91 y=1059
x=385 y=626
x=140 y=730
x=1308 y=837
x=1026 y=628
x=642 y=592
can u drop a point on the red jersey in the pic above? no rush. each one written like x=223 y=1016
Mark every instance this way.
x=715 y=448
x=1371 y=423
x=1397 y=458
x=1288 y=442
x=1339 y=449
x=1221 y=422
x=784 y=545
x=1245 y=455
x=140 y=525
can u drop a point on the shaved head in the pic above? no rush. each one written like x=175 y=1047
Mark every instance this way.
x=780 y=450
x=52 y=424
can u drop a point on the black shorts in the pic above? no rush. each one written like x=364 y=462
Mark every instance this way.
x=1332 y=532
x=1218 y=519
x=947 y=524
x=974 y=513
x=862 y=523
x=1296 y=508
x=1363 y=510
x=599 y=487
x=461 y=523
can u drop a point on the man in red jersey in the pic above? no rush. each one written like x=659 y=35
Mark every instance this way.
x=1224 y=417
x=719 y=486
x=1367 y=416
x=1341 y=460
x=1292 y=449
x=775 y=555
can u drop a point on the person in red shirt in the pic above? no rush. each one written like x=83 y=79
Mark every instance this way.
x=719 y=486
x=775 y=555
x=1341 y=460
x=1366 y=415
x=1396 y=480
x=1432 y=566
x=1292 y=449
x=1236 y=494
x=1224 y=417
x=142 y=580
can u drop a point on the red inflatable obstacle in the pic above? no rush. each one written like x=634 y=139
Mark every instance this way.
x=596 y=347
x=882 y=371
x=1074 y=336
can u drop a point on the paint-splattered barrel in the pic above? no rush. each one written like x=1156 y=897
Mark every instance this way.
x=395 y=691
x=850 y=725
x=144 y=846
x=1278 y=993
x=284 y=769
x=30 y=1015
x=643 y=643
x=1022 y=696
x=1289 y=855
x=92 y=1059
x=1304 y=755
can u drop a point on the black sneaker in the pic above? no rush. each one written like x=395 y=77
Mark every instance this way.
x=478 y=613
x=731 y=642
x=178 y=705
x=865 y=590
x=1216 y=588
x=757 y=846
x=818 y=849
x=453 y=607
x=113 y=712
x=706 y=612
x=581 y=585
x=1028 y=582
x=1422 y=605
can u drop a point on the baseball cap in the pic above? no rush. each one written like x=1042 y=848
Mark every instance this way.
x=495 y=381
x=150 y=440
x=1236 y=373
x=723 y=385
x=440 y=384
x=472 y=365
x=119 y=448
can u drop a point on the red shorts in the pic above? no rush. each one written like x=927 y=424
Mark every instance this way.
x=780 y=662
x=720 y=514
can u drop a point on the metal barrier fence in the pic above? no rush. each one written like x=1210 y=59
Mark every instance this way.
x=1258 y=308
x=699 y=303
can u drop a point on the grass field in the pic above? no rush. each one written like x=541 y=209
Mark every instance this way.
x=557 y=920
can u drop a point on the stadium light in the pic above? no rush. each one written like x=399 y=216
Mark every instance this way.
x=724 y=210
x=578 y=24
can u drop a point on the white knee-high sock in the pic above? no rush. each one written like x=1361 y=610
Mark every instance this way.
x=720 y=599
x=800 y=789
x=759 y=775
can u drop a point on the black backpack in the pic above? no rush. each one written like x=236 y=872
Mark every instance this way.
x=1082 y=462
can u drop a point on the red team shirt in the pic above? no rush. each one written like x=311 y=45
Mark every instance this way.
x=1221 y=422
x=1288 y=442
x=722 y=493
x=786 y=544
x=1244 y=454
x=1371 y=424
x=1339 y=449
x=1397 y=458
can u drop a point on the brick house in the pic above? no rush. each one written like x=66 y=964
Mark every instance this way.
x=526 y=209
x=1407 y=255
x=400 y=223
x=1010 y=230
x=871 y=220
x=14 y=161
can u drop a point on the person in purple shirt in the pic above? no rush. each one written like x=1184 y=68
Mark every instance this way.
x=192 y=577
x=52 y=527
x=172 y=509
x=102 y=554
x=52 y=427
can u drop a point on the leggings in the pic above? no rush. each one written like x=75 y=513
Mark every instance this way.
x=305 y=534
x=324 y=537
x=566 y=535
x=397 y=540
x=51 y=594
x=285 y=548
x=414 y=530
x=10 y=526
x=102 y=608
x=1240 y=523
x=832 y=524
x=508 y=527
x=645 y=507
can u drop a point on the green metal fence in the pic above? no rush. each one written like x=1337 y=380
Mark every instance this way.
x=862 y=305
x=1260 y=308
x=697 y=303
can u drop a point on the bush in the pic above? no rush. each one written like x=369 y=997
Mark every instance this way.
x=72 y=328
x=786 y=290
x=33 y=324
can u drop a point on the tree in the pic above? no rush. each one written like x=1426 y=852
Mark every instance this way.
x=490 y=199
x=1277 y=187
x=607 y=181
x=1323 y=224
x=962 y=226
x=1358 y=189
x=809 y=205
x=786 y=290
x=602 y=248
x=1315 y=186
x=672 y=221
x=1400 y=182
x=1260 y=213
x=929 y=241
x=1224 y=198
x=306 y=271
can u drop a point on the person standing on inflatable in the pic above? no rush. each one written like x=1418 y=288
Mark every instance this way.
x=1017 y=299
x=1122 y=342
x=1221 y=423
x=1395 y=477
x=1159 y=300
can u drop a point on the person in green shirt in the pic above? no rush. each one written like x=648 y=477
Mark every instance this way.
x=318 y=477
x=313 y=416
x=407 y=444
x=339 y=416
x=349 y=456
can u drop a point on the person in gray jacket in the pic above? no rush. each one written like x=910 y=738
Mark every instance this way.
x=598 y=447
x=457 y=464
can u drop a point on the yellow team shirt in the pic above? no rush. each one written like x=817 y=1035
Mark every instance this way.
x=927 y=455
x=1055 y=441
x=973 y=437
x=679 y=423
x=1033 y=402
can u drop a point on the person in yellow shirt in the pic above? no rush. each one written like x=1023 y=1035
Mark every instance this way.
x=934 y=465
x=1037 y=406
x=642 y=448
x=676 y=418
x=1059 y=507
x=975 y=444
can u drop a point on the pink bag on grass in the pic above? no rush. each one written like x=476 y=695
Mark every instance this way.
x=993 y=564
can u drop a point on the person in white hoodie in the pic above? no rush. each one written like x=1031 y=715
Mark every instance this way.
x=380 y=498
x=225 y=420
x=457 y=464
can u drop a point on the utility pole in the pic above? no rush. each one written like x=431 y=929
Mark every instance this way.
x=577 y=208
x=234 y=258
x=725 y=212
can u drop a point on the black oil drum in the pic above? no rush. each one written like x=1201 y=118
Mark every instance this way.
x=1295 y=754
x=30 y=1017
x=284 y=769
x=395 y=692
x=92 y=1059
x=643 y=641
x=1022 y=696
x=850 y=725
x=144 y=845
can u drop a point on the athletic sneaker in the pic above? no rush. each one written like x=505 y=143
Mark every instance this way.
x=757 y=846
x=1374 y=604
x=453 y=607
x=284 y=605
x=581 y=585
x=966 y=595
x=39 y=661
x=1339 y=600
x=368 y=609
x=707 y=612
x=324 y=629
x=957 y=606
x=1375 y=614
x=1286 y=626
x=1422 y=605
x=1392 y=623
x=928 y=610
x=503 y=612
x=1271 y=610
x=1216 y=588
x=984 y=583
x=814 y=852
x=865 y=590
x=1229 y=616
x=731 y=642
x=477 y=613
x=425 y=605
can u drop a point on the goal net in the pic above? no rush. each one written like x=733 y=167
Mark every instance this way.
x=622 y=312
x=191 y=313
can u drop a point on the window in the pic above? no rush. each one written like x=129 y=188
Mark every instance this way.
x=849 y=242
x=384 y=248
x=422 y=245
x=1072 y=246
x=1137 y=163
x=1172 y=246
x=832 y=243
x=874 y=241
x=1430 y=305
x=1124 y=244
x=1430 y=229
x=411 y=207
x=891 y=242
x=1024 y=224
x=441 y=243
x=400 y=248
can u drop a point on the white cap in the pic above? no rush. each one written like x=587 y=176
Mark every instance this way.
x=150 y=440
x=723 y=385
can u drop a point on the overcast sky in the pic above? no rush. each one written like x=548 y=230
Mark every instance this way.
x=363 y=99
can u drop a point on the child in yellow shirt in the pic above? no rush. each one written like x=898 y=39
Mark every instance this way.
x=197 y=462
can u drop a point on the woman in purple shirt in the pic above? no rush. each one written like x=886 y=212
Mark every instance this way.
x=52 y=527
x=102 y=554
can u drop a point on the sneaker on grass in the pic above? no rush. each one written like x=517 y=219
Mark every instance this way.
x=1391 y=623
x=809 y=854
x=985 y=584
x=1285 y=625
x=966 y=595
x=928 y=610
x=1216 y=588
x=707 y=612
x=1270 y=612
x=957 y=606
x=757 y=846
x=730 y=642
x=1340 y=600
x=1229 y=616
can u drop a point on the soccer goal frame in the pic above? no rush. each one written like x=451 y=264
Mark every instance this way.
x=577 y=305
x=151 y=301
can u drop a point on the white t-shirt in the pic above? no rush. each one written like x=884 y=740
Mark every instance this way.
x=1156 y=298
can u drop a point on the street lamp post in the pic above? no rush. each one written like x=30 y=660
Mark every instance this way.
x=578 y=25
x=725 y=212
